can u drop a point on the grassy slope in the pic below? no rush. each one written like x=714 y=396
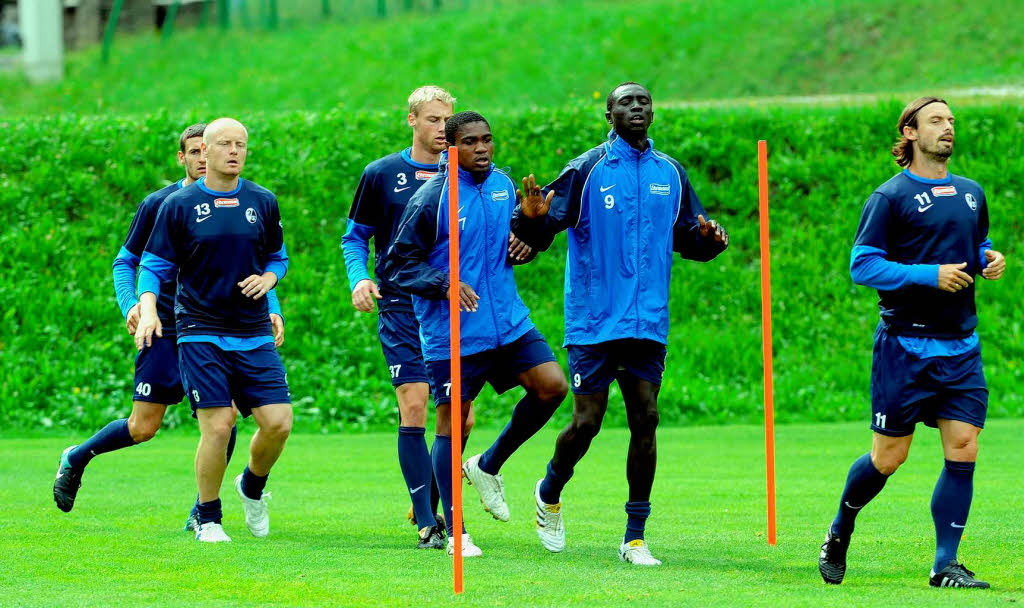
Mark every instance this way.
x=545 y=53
x=338 y=535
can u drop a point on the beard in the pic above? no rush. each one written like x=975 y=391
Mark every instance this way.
x=937 y=152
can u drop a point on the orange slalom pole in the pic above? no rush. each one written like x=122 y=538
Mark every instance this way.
x=456 y=353
x=766 y=338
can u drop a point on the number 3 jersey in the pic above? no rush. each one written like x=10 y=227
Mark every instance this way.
x=384 y=191
x=212 y=241
x=909 y=227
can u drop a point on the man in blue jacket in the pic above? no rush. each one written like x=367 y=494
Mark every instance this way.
x=499 y=342
x=627 y=207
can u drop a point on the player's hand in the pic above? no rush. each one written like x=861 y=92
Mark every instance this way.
x=996 y=265
x=467 y=298
x=149 y=324
x=531 y=203
x=256 y=286
x=713 y=229
x=952 y=277
x=517 y=248
x=364 y=294
x=132 y=321
x=277 y=324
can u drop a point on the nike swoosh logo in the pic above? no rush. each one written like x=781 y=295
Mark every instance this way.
x=953 y=524
x=203 y=219
x=853 y=507
x=59 y=475
x=401 y=189
x=923 y=209
x=607 y=188
x=411 y=491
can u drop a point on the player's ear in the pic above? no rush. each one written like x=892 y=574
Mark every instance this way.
x=608 y=117
x=181 y=158
x=411 y=119
x=909 y=132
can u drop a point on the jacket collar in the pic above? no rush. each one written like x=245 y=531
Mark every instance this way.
x=616 y=148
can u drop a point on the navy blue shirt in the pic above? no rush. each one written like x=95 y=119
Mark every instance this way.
x=909 y=226
x=384 y=191
x=131 y=253
x=213 y=240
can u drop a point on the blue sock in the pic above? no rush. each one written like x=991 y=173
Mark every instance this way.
x=252 y=484
x=231 y=445
x=441 y=456
x=951 y=502
x=417 y=469
x=636 y=518
x=863 y=483
x=552 y=485
x=209 y=511
x=435 y=494
x=530 y=416
x=112 y=437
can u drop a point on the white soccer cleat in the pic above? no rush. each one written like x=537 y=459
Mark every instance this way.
x=256 y=517
x=636 y=552
x=550 y=527
x=490 y=487
x=469 y=548
x=212 y=532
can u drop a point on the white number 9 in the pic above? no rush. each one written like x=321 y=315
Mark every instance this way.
x=609 y=201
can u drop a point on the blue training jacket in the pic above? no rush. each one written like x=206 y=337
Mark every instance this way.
x=626 y=212
x=417 y=262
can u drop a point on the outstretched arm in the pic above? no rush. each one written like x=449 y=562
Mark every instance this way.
x=544 y=212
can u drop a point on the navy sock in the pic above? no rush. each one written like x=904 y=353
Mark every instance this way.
x=231 y=444
x=636 y=518
x=441 y=456
x=951 y=502
x=252 y=484
x=417 y=469
x=530 y=416
x=112 y=437
x=552 y=485
x=209 y=511
x=863 y=483
x=435 y=494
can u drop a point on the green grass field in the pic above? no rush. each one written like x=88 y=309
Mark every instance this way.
x=339 y=536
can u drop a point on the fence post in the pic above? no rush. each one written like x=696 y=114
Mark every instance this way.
x=169 y=17
x=327 y=8
x=223 y=14
x=108 y=32
x=382 y=8
x=272 y=14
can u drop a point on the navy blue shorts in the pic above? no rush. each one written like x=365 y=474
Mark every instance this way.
x=500 y=367
x=400 y=340
x=157 y=379
x=907 y=389
x=214 y=377
x=593 y=367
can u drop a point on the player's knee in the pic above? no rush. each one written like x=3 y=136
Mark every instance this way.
x=278 y=428
x=554 y=390
x=963 y=447
x=143 y=430
x=888 y=461
x=645 y=421
x=586 y=425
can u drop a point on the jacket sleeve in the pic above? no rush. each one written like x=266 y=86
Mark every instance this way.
x=406 y=263
x=686 y=237
x=539 y=232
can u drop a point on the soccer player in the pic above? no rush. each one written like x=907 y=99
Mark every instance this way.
x=627 y=207
x=384 y=191
x=157 y=380
x=923 y=237
x=500 y=344
x=222 y=237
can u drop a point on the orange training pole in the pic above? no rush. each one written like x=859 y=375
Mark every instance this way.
x=456 y=372
x=766 y=326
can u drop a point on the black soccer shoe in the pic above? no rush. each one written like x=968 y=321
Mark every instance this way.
x=432 y=538
x=832 y=561
x=956 y=575
x=411 y=517
x=65 y=486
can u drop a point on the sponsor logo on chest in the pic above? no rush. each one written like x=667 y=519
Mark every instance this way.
x=661 y=189
x=425 y=175
x=944 y=191
x=225 y=202
x=499 y=195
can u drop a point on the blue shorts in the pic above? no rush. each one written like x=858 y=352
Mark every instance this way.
x=592 y=367
x=157 y=379
x=400 y=340
x=214 y=377
x=906 y=389
x=500 y=367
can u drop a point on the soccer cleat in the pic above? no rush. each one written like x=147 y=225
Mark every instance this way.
x=956 y=574
x=469 y=549
x=636 y=552
x=256 y=517
x=192 y=523
x=832 y=561
x=490 y=487
x=211 y=532
x=431 y=537
x=67 y=482
x=550 y=527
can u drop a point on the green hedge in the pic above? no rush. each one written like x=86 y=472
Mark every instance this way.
x=69 y=186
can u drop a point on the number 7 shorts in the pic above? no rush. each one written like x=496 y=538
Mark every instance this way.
x=907 y=389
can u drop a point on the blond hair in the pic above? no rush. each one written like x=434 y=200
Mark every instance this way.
x=428 y=93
